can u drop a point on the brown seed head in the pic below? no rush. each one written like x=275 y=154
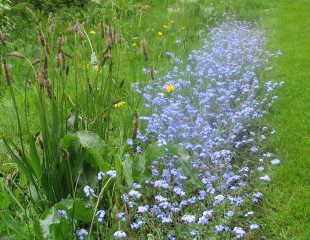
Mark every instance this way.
x=2 y=38
x=16 y=55
x=43 y=41
x=103 y=27
x=36 y=61
x=60 y=60
x=135 y=126
x=53 y=27
x=60 y=42
x=6 y=73
x=144 y=49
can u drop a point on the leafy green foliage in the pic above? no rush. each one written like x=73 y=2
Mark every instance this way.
x=52 y=5
x=69 y=127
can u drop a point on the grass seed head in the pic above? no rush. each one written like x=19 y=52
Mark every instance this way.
x=102 y=28
x=145 y=51
x=16 y=55
x=36 y=61
x=2 y=38
x=60 y=42
x=43 y=41
x=6 y=73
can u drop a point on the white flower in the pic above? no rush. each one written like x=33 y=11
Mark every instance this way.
x=260 y=169
x=275 y=161
x=119 y=234
x=265 y=178
x=93 y=59
x=134 y=194
x=249 y=214
x=254 y=226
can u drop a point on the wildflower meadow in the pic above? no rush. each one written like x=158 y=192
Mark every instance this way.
x=153 y=119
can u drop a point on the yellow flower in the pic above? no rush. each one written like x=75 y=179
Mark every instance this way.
x=97 y=68
x=170 y=88
x=119 y=104
x=134 y=44
x=92 y=32
x=160 y=34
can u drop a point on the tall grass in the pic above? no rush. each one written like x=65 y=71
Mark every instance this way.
x=68 y=95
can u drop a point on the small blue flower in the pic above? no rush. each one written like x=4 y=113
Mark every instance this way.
x=121 y=216
x=100 y=176
x=143 y=209
x=82 y=233
x=239 y=232
x=134 y=194
x=130 y=142
x=188 y=219
x=112 y=173
x=63 y=213
x=100 y=215
x=88 y=191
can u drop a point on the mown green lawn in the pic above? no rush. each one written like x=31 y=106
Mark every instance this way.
x=286 y=210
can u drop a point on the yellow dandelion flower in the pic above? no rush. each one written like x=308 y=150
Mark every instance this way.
x=170 y=88
x=160 y=34
x=92 y=32
x=119 y=104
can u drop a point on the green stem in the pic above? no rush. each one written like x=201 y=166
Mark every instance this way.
x=97 y=204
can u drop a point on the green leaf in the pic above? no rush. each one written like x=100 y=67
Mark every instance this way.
x=53 y=226
x=127 y=170
x=95 y=146
x=92 y=145
x=34 y=159
x=51 y=219
x=81 y=212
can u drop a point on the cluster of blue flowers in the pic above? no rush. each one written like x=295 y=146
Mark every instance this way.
x=208 y=107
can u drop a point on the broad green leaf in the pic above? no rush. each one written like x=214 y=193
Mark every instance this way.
x=95 y=146
x=91 y=143
x=53 y=226
x=127 y=170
